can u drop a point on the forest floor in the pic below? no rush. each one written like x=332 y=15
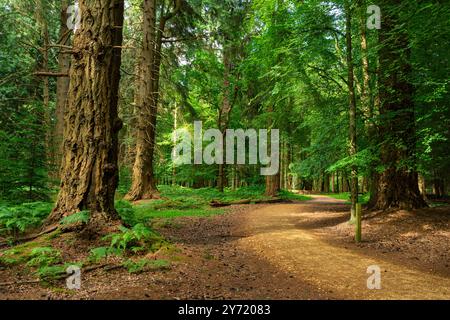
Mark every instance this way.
x=301 y=250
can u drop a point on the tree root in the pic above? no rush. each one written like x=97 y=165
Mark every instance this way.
x=31 y=237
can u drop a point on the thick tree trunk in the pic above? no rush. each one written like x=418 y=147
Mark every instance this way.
x=89 y=167
x=398 y=184
x=273 y=185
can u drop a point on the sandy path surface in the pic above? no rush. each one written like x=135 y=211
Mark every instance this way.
x=273 y=233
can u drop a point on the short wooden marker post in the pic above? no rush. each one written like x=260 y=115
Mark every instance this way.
x=358 y=233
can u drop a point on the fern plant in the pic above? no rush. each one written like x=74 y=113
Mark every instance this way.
x=135 y=239
x=79 y=217
x=44 y=257
x=14 y=220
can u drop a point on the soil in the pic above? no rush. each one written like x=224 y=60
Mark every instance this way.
x=299 y=250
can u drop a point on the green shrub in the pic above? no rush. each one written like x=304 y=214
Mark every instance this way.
x=102 y=253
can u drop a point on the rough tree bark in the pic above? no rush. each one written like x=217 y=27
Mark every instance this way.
x=144 y=182
x=62 y=84
x=398 y=184
x=89 y=165
x=225 y=111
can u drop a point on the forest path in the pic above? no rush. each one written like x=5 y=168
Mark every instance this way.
x=284 y=236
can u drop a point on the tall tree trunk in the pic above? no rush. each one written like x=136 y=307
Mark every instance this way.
x=423 y=186
x=225 y=111
x=273 y=186
x=62 y=85
x=90 y=169
x=41 y=18
x=352 y=112
x=398 y=184
x=144 y=183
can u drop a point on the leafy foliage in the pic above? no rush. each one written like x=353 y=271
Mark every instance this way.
x=79 y=217
x=135 y=239
x=16 y=219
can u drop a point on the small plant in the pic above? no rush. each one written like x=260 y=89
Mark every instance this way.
x=126 y=212
x=137 y=239
x=133 y=238
x=43 y=257
x=47 y=273
x=46 y=261
x=76 y=218
x=102 y=253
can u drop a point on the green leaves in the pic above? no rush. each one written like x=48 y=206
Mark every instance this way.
x=133 y=239
x=79 y=217
x=43 y=257
x=20 y=218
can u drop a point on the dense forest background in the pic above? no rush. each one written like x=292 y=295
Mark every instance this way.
x=305 y=67
x=95 y=95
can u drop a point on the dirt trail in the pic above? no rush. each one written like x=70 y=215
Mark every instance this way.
x=283 y=251
x=273 y=232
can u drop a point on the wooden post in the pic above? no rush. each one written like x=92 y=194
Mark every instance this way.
x=358 y=232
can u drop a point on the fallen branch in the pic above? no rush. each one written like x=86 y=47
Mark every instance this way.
x=108 y=267
x=32 y=237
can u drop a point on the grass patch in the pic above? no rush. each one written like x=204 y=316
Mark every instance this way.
x=287 y=195
x=147 y=212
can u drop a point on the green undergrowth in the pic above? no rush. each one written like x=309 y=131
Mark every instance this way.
x=136 y=246
x=37 y=258
x=363 y=199
x=186 y=202
x=15 y=220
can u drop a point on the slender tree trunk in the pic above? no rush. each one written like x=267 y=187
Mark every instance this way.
x=224 y=114
x=398 y=184
x=423 y=186
x=41 y=18
x=352 y=112
x=273 y=186
x=90 y=169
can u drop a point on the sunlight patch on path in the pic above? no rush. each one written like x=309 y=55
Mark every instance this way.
x=273 y=235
